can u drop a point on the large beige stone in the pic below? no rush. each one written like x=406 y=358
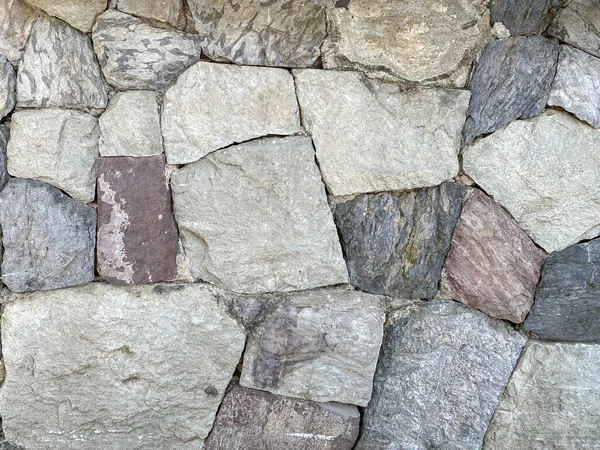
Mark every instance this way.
x=80 y=14
x=16 y=20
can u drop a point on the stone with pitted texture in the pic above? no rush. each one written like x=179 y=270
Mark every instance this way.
x=525 y=17
x=80 y=14
x=171 y=12
x=578 y=24
x=8 y=87
x=16 y=20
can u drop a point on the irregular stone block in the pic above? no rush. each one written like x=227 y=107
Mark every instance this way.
x=48 y=238
x=135 y=55
x=546 y=172
x=511 y=80
x=8 y=87
x=171 y=12
x=56 y=146
x=578 y=24
x=116 y=368
x=440 y=376
x=274 y=178
x=16 y=20
x=525 y=17
x=80 y=14
x=4 y=137
x=372 y=137
x=395 y=243
x=260 y=421
x=216 y=105
x=317 y=345
x=552 y=400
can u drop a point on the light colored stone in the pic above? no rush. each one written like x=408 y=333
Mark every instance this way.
x=80 y=14
x=500 y=31
x=546 y=172
x=254 y=218
x=8 y=87
x=578 y=24
x=371 y=137
x=171 y=12
x=16 y=20
x=116 y=368
x=56 y=146
x=215 y=105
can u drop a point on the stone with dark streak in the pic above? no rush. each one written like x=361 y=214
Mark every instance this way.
x=8 y=87
x=525 y=17
x=578 y=24
x=4 y=137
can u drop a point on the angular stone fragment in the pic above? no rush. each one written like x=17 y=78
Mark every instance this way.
x=216 y=105
x=135 y=55
x=512 y=80
x=8 y=87
x=80 y=14
x=16 y=20
x=578 y=24
x=395 y=243
x=552 y=400
x=48 y=238
x=4 y=137
x=171 y=12
x=254 y=218
x=56 y=146
x=261 y=421
x=440 y=375
x=101 y=367
x=525 y=17
x=371 y=137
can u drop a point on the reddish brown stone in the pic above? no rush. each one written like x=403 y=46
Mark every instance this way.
x=137 y=233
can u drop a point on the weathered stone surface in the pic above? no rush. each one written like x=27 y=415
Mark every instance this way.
x=422 y=41
x=371 y=137
x=525 y=17
x=16 y=20
x=130 y=126
x=511 y=80
x=258 y=420
x=171 y=12
x=272 y=178
x=552 y=400
x=56 y=146
x=441 y=374
x=216 y=105
x=395 y=243
x=48 y=238
x=4 y=136
x=317 y=345
x=546 y=172
x=116 y=368
x=80 y=14
x=579 y=25
x=8 y=87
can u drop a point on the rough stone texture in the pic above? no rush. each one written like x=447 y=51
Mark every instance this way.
x=441 y=373
x=579 y=25
x=16 y=20
x=317 y=345
x=371 y=137
x=511 y=80
x=261 y=421
x=80 y=14
x=48 y=238
x=551 y=402
x=216 y=105
x=147 y=367
x=56 y=146
x=546 y=172
x=4 y=136
x=395 y=243
x=424 y=41
x=576 y=86
x=171 y=12
x=283 y=33
x=137 y=233
x=273 y=188
x=8 y=87
x=135 y=55
x=130 y=126
x=525 y=17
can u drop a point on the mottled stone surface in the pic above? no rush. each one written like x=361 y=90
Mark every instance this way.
x=16 y=20
x=395 y=243
x=579 y=25
x=135 y=55
x=525 y=17
x=171 y=12
x=551 y=402
x=8 y=87
x=546 y=172
x=48 y=238
x=147 y=368
x=511 y=80
x=317 y=345
x=371 y=137
x=80 y=14
x=441 y=373
x=56 y=146
x=4 y=137
x=216 y=105
x=258 y=420
x=272 y=186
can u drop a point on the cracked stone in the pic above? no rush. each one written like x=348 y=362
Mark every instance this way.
x=16 y=20
x=8 y=87
x=525 y=17
x=171 y=12
x=578 y=24
x=80 y=14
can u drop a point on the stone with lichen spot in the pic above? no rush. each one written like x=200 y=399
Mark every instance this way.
x=578 y=24
x=80 y=14
x=16 y=20
x=8 y=87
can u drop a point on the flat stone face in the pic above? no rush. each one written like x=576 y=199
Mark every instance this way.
x=135 y=55
x=422 y=41
x=148 y=368
x=16 y=20
x=47 y=78
x=317 y=345
x=525 y=17
x=48 y=238
x=546 y=172
x=578 y=24
x=216 y=105
x=261 y=421
x=371 y=137
x=395 y=243
x=511 y=80
x=283 y=33
x=555 y=388
x=56 y=146
x=274 y=178
x=80 y=14
x=441 y=373
x=8 y=87
x=171 y=12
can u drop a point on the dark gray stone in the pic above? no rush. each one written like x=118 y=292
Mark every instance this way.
x=578 y=24
x=8 y=87
x=4 y=137
x=395 y=243
x=525 y=17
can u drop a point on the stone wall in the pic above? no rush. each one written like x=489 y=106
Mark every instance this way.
x=300 y=224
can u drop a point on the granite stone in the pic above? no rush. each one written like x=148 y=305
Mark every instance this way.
x=525 y=17
x=578 y=24
x=8 y=87
x=80 y=14
x=171 y=12
x=16 y=20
